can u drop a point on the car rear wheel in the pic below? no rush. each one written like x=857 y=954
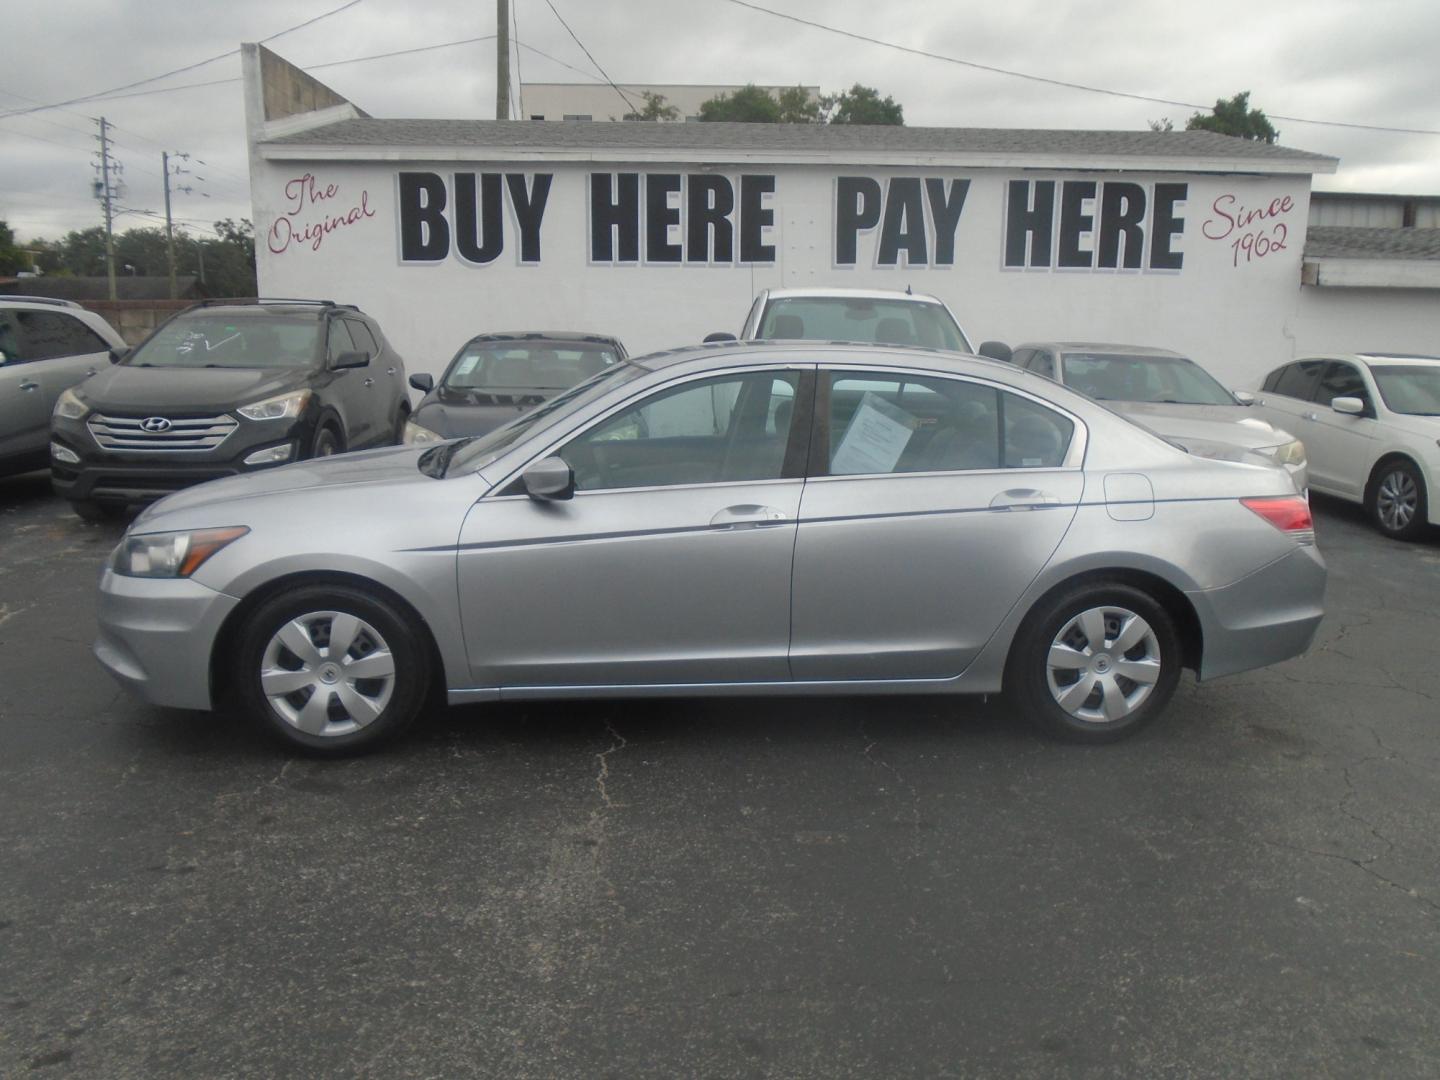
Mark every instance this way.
x=331 y=670
x=1397 y=501
x=1095 y=663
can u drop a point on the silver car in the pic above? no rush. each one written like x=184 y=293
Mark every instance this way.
x=1170 y=394
x=776 y=518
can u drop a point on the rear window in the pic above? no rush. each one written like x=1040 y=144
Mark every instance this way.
x=882 y=322
x=1170 y=380
x=524 y=365
x=243 y=341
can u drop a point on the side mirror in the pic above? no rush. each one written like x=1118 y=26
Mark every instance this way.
x=1350 y=406
x=1244 y=397
x=116 y=355
x=719 y=335
x=351 y=360
x=423 y=383
x=997 y=350
x=549 y=479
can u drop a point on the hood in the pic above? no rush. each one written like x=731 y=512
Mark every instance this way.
x=387 y=465
x=160 y=391
x=452 y=413
x=1234 y=424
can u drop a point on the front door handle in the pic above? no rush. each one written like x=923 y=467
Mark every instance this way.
x=389 y=371
x=1311 y=416
x=29 y=386
x=1023 y=499
x=369 y=382
x=748 y=516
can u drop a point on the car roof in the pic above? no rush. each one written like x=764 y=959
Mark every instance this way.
x=546 y=335
x=737 y=353
x=1409 y=358
x=852 y=294
x=1101 y=347
x=40 y=302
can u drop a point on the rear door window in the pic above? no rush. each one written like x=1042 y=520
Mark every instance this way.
x=48 y=334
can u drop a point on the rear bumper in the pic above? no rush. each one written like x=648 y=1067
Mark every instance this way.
x=156 y=637
x=1262 y=619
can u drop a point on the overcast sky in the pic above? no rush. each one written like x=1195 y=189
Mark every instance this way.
x=1368 y=63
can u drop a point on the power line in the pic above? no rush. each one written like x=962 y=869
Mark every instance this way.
x=175 y=71
x=630 y=104
x=1059 y=82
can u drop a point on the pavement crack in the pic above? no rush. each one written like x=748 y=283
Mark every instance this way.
x=900 y=781
x=603 y=759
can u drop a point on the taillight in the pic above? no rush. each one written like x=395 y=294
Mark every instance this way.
x=1288 y=513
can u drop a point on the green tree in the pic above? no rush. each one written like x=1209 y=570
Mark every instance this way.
x=797 y=106
x=12 y=259
x=82 y=252
x=862 y=105
x=1235 y=117
x=655 y=108
x=230 y=260
x=748 y=105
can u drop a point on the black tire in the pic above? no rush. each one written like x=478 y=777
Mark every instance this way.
x=1097 y=716
x=357 y=713
x=1396 y=500
x=96 y=512
x=401 y=419
x=327 y=442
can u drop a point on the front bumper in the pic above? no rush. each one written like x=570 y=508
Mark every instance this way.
x=157 y=636
x=138 y=477
x=1262 y=619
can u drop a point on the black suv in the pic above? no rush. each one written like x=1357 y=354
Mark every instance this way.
x=223 y=388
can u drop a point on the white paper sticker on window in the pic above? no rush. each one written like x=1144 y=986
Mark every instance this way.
x=875 y=439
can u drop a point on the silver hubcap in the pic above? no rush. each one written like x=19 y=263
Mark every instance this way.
x=1103 y=664
x=328 y=673
x=1396 y=500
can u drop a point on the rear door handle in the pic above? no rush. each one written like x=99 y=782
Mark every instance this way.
x=748 y=516
x=1023 y=499
x=1311 y=416
x=389 y=371
x=369 y=382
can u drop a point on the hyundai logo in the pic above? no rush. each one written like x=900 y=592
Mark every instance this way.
x=155 y=424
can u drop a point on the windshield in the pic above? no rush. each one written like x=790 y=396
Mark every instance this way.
x=1169 y=380
x=232 y=341
x=470 y=455
x=885 y=322
x=1412 y=389
x=527 y=365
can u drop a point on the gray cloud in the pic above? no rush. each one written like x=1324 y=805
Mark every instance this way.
x=1323 y=59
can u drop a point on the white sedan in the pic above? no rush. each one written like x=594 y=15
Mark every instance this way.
x=1371 y=424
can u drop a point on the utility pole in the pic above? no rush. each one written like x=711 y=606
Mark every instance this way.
x=107 y=190
x=502 y=59
x=165 y=156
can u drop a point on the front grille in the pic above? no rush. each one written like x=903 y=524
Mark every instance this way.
x=195 y=433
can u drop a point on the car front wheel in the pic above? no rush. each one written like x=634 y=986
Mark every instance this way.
x=1095 y=663
x=1397 y=501
x=331 y=670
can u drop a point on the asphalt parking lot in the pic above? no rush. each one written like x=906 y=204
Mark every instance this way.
x=829 y=888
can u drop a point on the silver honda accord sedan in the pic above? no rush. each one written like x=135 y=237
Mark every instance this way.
x=749 y=518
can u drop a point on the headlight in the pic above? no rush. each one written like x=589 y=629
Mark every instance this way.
x=170 y=554
x=68 y=406
x=415 y=435
x=1290 y=453
x=280 y=407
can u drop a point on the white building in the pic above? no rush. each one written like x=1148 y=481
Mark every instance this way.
x=661 y=233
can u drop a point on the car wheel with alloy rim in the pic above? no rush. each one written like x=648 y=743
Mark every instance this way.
x=1396 y=500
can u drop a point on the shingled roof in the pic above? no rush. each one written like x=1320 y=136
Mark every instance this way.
x=1362 y=242
x=784 y=139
